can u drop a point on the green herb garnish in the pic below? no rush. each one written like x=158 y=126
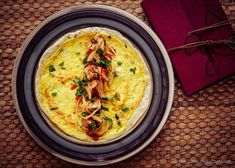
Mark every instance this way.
x=53 y=94
x=103 y=63
x=85 y=60
x=109 y=37
x=80 y=91
x=80 y=83
x=51 y=68
x=93 y=125
x=116 y=116
x=112 y=98
x=61 y=64
x=84 y=113
x=99 y=52
x=119 y=123
x=77 y=82
x=125 y=109
x=84 y=81
x=119 y=63
x=104 y=108
x=107 y=98
x=92 y=99
x=107 y=118
x=133 y=70
x=78 y=53
x=53 y=108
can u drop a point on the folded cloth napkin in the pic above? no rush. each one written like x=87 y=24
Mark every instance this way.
x=197 y=67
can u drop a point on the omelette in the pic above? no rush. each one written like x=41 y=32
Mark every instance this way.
x=93 y=85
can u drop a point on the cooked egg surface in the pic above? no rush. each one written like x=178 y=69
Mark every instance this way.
x=55 y=81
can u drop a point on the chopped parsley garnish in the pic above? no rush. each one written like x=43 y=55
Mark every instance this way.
x=116 y=116
x=61 y=50
x=93 y=125
x=85 y=60
x=103 y=63
x=84 y=81
x=78 y=53
x=79 y=82
x=119 y=63
x=51 y=68
x=92 y=99
x=61 y=64
x=109 y=37
x=54 y=94
x=112 y=98
x=125 y=109
x=53 y=108
x=104 y=108
x=133 y=70
x=99 y=52
x=107 y=98
x=80 y=91
x=119 y=123
x=84 y=113
x=125 y=45
x=107 y=118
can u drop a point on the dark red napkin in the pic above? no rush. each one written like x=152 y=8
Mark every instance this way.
x=195 y=67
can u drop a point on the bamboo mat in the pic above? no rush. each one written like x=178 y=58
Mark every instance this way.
x=200 y=131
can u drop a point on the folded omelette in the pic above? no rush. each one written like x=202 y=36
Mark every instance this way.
x=93 y=85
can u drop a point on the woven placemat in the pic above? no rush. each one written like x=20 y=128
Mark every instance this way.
x=199 y=132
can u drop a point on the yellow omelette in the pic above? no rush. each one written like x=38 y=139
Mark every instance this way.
x=93 y=85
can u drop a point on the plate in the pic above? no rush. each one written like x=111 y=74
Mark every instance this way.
x=76 y=18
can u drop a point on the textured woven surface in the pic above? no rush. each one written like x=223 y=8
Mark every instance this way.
x=199 y=132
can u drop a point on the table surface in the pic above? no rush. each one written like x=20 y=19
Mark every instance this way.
x=200 y=130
